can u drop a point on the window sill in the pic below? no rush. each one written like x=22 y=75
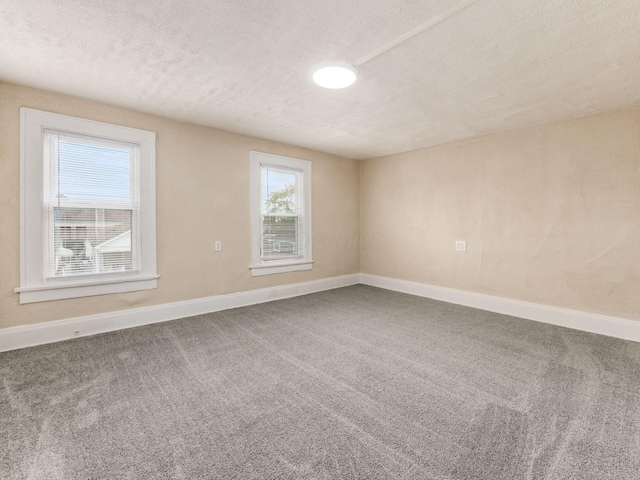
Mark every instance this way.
x=59 y=291
x=280 y=267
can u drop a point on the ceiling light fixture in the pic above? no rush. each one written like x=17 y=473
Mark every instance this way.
x=335 y=75
x=341 y=74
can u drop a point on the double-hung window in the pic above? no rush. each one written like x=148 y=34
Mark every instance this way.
x=281 y=211
x=88 y=208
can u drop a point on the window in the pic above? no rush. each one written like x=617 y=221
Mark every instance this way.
x=87 y=208
x=281 y=211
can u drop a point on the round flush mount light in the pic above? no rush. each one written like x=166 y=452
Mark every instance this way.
x=335 y=75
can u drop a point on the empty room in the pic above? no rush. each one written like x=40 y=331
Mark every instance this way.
x=311 y=240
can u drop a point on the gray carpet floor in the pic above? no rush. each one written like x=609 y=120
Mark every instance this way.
x=353 y=383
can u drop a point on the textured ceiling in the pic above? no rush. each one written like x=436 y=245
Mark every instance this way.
x=245 y=65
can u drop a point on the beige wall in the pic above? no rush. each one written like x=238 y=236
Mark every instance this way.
x=551 y=215
x=199 y=169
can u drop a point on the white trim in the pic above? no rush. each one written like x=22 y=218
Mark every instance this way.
x=588 y=322
x=34 y=287
x=266 y=269
x=279 y=267
x=13 y=338
x=258 y=267
x=88 y=289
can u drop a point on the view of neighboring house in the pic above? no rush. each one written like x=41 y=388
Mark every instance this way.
x=91 y=240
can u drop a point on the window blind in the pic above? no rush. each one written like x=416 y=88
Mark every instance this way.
x=92 y=199
x=281 y=207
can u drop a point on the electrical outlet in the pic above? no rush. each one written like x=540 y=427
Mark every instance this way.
x=218 y=246
x=461 y=246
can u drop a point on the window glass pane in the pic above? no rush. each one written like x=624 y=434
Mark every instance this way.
x=91 y=240
x=88 y=170
x=280 y=217
x=93 y=200
x=279 y=237
x=278 y=191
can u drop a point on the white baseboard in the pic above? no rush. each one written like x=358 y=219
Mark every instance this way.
x=588 y=322
x=13 y=338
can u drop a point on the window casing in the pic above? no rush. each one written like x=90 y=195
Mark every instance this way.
x=281 y=214
x=87 y=208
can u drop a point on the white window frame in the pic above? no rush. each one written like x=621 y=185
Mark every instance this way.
x=34 y=286
x=258 y=266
